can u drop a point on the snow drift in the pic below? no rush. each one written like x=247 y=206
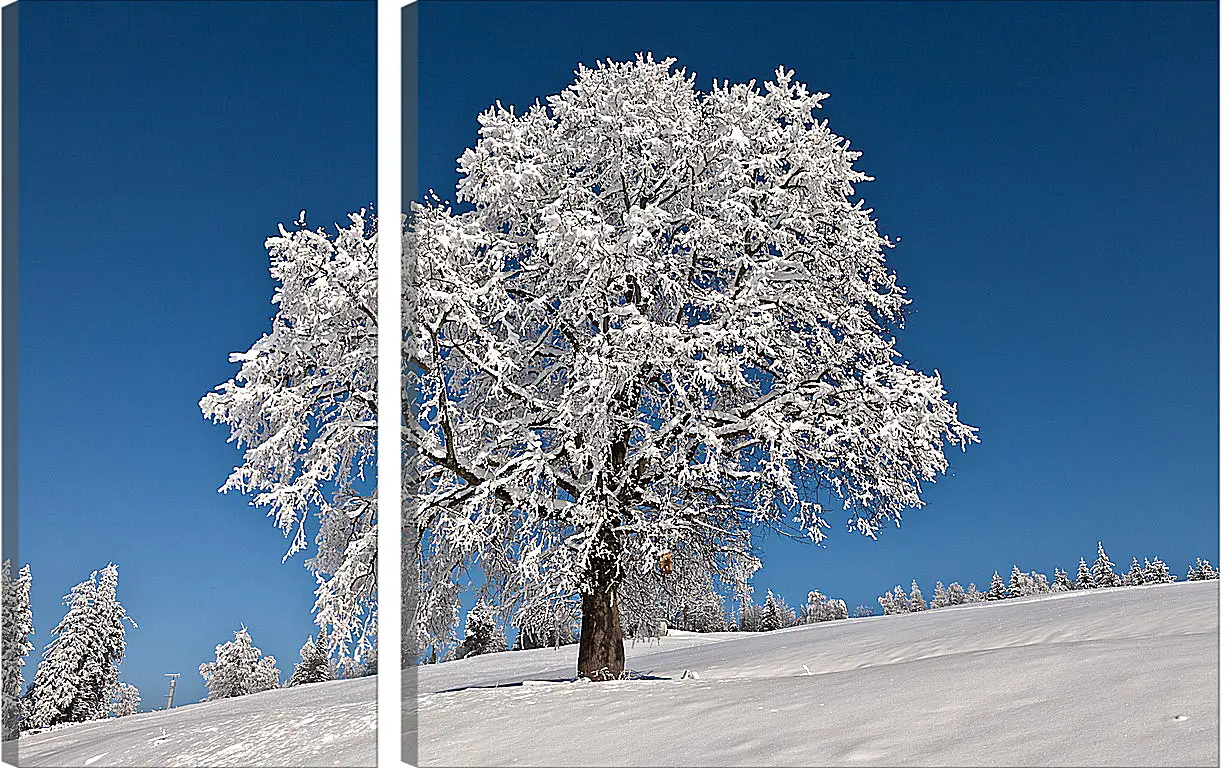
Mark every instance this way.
x=1104 y=677
x=322 y=724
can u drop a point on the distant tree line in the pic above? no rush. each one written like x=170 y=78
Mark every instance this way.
x=1020 y=584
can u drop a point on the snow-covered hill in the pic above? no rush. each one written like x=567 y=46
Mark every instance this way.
x=1106 y=677
x=318 y=725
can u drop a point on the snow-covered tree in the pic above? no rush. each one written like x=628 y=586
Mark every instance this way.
x=481 y=634
x=1201 y=571
x=973 y=594
x=837 y=610
x=1103 y=569
x=302 y=407
x=125 y=700
x=863 y=611
x=1135 y=576
x=997 y=591
x=772 y=619
x=940 y=599
x=888 y=603
x=815 y=612
x=314 y=665
x=662 y=323
x=917 y=602
x=239 y=669
x=1084 y=578
x=1015 y=586
x=1062 y=583
x=18 y=625
x=956 y=594
x=80 y=666
x=1156 y=571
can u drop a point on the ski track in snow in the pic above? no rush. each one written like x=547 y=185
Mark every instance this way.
x=323 y=724
x=1105 y=677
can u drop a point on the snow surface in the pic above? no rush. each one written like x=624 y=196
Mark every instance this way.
x=322 y=724
x=1104 y=677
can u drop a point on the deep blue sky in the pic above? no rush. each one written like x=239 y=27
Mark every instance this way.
x=160 y=144
x=1052 y=170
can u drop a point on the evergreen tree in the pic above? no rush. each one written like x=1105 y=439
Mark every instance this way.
x=956 y=594
x=15 y=645
x=1084 y=578
x=900 y=599
x=836 y=610
x=997 y=591
x=80 y=665
x=1103 y=569
x=1157 y=572
x=941 y=598
x=863 y=611
x=888 y=603
x=916 y=601
x=1135 y=576
x=751 y=618
x=1016 y=587
x=314 y=665
x=1206 y=571
x=481 y=635
x=239 y=669
x=125 y=700
x=973 y=594
x=1061 y=581
x=772 y=619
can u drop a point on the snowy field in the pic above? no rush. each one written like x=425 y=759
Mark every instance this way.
x=1098 y=678
x=322 y=724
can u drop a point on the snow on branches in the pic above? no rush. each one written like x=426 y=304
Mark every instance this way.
x=660 y=324
x=303 y=409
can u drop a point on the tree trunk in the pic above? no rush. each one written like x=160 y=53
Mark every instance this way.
x=601 y=634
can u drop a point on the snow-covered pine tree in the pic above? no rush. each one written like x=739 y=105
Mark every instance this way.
x=917 y=602
x=125 y=700
x=302 y=407
x=1135 y=576
x=633 y=247
x=900 y=599
x=1103 y=569
x=80 y=666
x=862 y=612
x=481 y=634
x=15 y=631
x=1040 y=584
x=314 y=665
x=941 y=599
x=1157 y=572
x=1084 y=578
x=1015 y=586
x=973 y=594
x=239 y=669
x=836 y=609
x=1206 y=571
x=888 y=604
x=1062 y=583
x=956 y=594
x=772 y=620
x=997 y=591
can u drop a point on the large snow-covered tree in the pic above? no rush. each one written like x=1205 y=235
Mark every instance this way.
x=661 y=322
x=238 y=669
x=1103 y=570
x=80 y=666
x=15 y=645
x=302 y=407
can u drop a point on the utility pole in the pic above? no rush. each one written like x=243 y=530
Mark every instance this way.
x=170 y=697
